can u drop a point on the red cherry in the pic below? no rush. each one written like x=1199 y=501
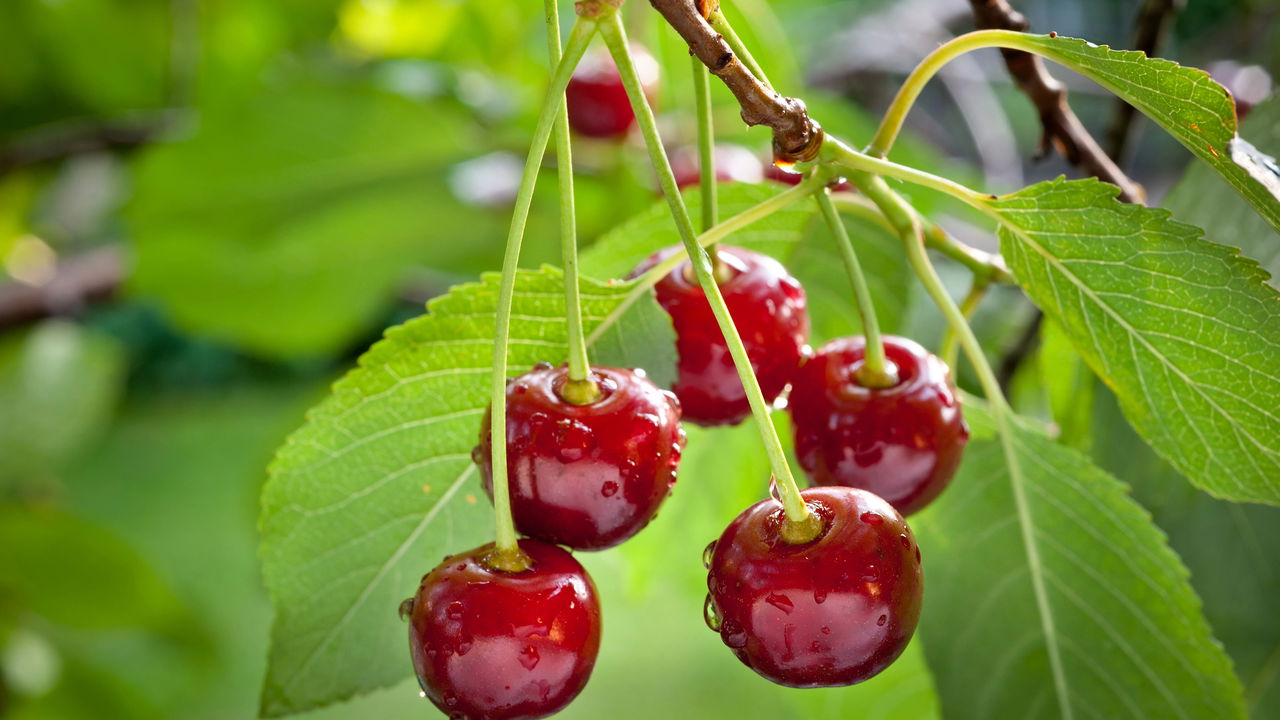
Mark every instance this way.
x=791 y=177
x=902 y=443
x=596 y=98
x=498 y=645
x=829 y=612
x=734 y=163
x=767 y=306
x=586 y=476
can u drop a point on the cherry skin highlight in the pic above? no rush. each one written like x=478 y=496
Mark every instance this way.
x=767 y=305
x=504 y=645
x=830 y=612
x=586 y=476
x=596 y=98
x=902 y=443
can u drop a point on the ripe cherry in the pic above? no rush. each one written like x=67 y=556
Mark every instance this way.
x=767 y=306
x=498 y=645
x=833 y=611
x=734 y=163
x=586 y=476
x=902 y=443
x=791 y=177
x=596 y=99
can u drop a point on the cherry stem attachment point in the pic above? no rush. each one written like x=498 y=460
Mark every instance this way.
x=504 y=526
x=876 y=370
x=615 y=38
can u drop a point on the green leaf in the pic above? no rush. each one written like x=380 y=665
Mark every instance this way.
x=1187 y=103
x=1185 y=332
x=379 y=484
x=1238 y=586
x=1051 y=595
x=1068 y=382
x=53 y=561
x=1203 y=199
x=285 y=225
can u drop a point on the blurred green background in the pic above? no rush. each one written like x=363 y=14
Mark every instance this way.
x=209 y=208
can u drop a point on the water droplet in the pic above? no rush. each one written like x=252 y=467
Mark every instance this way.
x=733 y=635
x=826 y=630
x=819 y=596
x=422 y=693
x=773 y=489
x=782 y=602
x=639 y=372
x=609 y=488
x=917 y=553
x=871 y=518
x=905 y=542
x=882 y=620
x=711 y=614
x=477 y=455
x=574 y=440
x=520 y=389
x=463 y=648
x=529 y=657
x=406 y=609
x=542 y=365
x=455 y=610
x=871 y=574
x=707 y=552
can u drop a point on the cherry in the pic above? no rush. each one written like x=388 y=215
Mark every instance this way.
x=829 y=612
x=791 y=177
x=767 y=306
x=734 y=163
x=596 y=98
x=586 y=476
x=902 y=442
x=498 y=645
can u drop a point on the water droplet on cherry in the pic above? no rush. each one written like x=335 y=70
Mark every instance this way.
x=707 y=553
x=711 y=614
x=871 y=518
x=609 y=488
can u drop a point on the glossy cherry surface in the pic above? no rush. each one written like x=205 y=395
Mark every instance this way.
x=767 y=306
x=902 y=443
x=596 y=99
x=501 y=645
x=586 y=476
x=830 y=612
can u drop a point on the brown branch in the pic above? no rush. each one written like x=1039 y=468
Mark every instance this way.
x=1150 y=27
x=77 y=282
x=796 y=136
x=1062 y=129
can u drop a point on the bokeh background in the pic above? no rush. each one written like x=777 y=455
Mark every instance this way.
x=209 y=208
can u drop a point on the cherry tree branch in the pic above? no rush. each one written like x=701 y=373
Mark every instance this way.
x=1063 y=131
x=796 y=136
x=1150 y=27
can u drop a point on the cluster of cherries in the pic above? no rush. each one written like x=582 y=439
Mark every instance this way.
x=831 y=608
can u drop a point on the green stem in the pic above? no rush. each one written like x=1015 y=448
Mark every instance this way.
x=799 y=518
x=891 y=125
x=835 y=150
x=764 y=209
x=876 y=371
x=950 y=347
x=706 y=146
x=508 y=555
x=904 y=219
x=579 y=390
x=720 y=24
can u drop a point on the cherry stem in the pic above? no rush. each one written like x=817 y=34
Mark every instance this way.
x=876 y=371
x=720 y=24
x=586 y=390
x=903 y=217
x=950 y=347
x=706 y=148
x=505 y=530
x=615 y=36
